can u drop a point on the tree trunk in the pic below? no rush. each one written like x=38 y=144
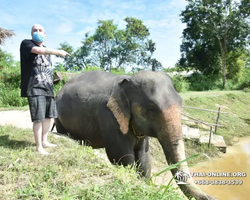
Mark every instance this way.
x=223 y=56
x=224 y=71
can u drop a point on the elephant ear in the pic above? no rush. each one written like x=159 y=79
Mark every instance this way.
x=119 y=105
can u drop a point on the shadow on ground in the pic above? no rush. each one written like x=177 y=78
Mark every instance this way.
x=6 y=142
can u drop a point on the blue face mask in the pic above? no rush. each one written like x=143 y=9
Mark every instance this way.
x=38 y=37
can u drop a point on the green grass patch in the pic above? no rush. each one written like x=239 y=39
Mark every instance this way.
x=236 y=122
x=70 y=171
x=235 y=103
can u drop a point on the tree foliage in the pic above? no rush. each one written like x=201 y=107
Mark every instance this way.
x=215 y=28
x=110 y=47
x=10 y=81
x=4 y=34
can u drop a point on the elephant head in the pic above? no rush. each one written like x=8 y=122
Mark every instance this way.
x=149 y=102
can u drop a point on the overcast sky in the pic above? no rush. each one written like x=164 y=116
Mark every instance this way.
x=69 y=20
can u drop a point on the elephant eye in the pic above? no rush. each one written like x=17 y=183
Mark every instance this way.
x=151 y=106
x=151 y=109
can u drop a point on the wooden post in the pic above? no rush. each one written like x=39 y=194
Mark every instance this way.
x=217 y=120
x=210 y=136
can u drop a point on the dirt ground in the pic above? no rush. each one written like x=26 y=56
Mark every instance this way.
x=18 y=118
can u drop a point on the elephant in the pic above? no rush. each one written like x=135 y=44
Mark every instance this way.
x=120 y=113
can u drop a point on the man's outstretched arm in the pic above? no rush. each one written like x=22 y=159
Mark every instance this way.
x=47 y=51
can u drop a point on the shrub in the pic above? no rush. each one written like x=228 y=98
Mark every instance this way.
x=10 y=96
x=10 y=82
x=180 y=83
x=199 y=82
x=245 y=80
x=92 y=68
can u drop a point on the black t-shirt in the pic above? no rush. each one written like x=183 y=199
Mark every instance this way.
x=36 y=72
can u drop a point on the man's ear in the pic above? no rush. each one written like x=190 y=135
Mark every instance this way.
x=119 y=105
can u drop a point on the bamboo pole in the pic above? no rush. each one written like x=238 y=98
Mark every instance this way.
x=199 y=121
x=203 y=109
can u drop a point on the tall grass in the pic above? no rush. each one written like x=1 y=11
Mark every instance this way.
x=70 y=171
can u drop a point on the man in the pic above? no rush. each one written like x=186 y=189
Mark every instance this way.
x=37 y=84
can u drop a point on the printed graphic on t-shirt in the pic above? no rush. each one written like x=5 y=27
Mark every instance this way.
x=42 y=70
x=43 y=75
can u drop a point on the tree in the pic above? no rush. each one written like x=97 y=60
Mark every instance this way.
x=104 y=44
x=6 y=60
x=214 y=27
x=236 y=64
x=9 y=70
x=76 y=62
x=68 y=62
x=5 y=34
x=202 y=57
x=110 y=47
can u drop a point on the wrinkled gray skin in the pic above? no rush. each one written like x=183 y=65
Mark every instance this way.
x=119 y=112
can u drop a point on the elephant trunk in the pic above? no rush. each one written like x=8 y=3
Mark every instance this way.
x=171 y=140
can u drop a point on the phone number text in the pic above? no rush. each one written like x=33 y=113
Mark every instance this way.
x=218 y=182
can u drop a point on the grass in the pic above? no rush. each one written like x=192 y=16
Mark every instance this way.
x=236 y=122
x=236 y=103
x=71 y=171
x=14 y=108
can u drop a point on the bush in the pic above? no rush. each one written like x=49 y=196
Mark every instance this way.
x=10 y=82
x=10 y=96
x=199 y=82
x=180 y=83
x=93 y=68
x=245 y=80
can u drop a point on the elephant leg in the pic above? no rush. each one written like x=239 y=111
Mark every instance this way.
x=59 y=127
x=143 y=157
x=119 y=147
x=120 y=150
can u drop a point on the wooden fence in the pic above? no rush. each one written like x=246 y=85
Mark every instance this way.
x=205 y=123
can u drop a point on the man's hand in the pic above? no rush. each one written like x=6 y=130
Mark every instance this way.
x=62 y=53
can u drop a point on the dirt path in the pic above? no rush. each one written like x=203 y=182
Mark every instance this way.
x=18 y=118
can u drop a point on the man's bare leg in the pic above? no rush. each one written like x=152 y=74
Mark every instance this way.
x=45 y=130
x=37 y=129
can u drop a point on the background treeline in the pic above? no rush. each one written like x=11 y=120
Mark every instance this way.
x=112 y=48
x=215 y=48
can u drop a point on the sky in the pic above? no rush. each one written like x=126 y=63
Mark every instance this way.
x=69 y=20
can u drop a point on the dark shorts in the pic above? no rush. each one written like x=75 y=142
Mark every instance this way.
x=42 y=107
